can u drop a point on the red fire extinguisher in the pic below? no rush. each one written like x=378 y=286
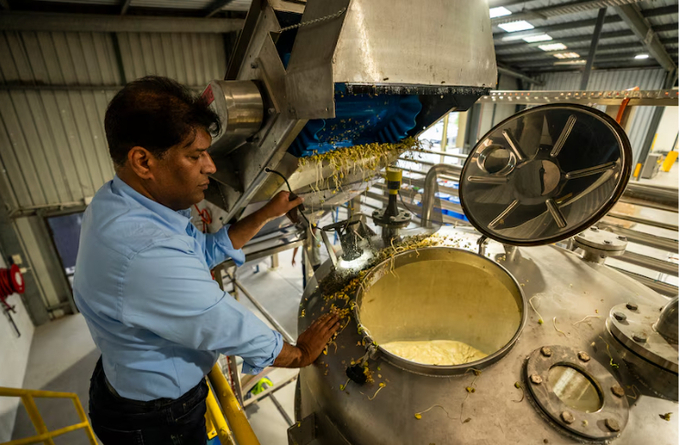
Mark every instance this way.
x=11 y=281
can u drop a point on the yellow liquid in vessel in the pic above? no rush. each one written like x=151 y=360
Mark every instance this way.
x=435 y=352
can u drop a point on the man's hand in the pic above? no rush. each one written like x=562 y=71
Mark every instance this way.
x=310 y=344
x=244 y=230
x=280 y=205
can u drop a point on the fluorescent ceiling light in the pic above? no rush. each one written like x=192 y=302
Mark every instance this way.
x=537 y=38
x=642 y=56
x=570 y=62
x=499 y=12
x=521 y=25
x=567 y=55
x=553 y=47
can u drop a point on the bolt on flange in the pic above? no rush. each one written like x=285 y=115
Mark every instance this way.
x=612 y=425
x=536 y=379
x=567 y=417
x=618 y=391
x=640 y=337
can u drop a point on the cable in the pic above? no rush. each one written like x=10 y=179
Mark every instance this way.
x=402 y=201
x=269 y=170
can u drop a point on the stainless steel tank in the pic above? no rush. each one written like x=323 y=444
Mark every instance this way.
x=575 y=352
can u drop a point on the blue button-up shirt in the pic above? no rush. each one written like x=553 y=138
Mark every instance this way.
x=143 y=283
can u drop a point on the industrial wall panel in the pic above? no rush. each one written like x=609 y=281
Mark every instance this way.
x=604 y=80
x=53 y=147
x=192 y=59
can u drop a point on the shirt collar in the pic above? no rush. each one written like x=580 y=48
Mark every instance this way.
x=179 y=218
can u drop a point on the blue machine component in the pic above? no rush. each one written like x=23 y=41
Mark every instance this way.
x=359 y=119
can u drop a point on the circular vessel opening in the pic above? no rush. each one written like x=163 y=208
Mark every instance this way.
x=439 y=310
x=575 y=388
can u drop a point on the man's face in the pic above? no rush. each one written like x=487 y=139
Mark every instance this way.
x=181 y=176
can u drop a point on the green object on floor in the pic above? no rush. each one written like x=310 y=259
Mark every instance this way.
x=261 y=385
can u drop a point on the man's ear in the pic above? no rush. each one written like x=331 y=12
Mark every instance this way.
x=141 y=161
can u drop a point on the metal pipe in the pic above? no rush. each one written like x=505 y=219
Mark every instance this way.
x=435 y=152
x=281 y=409
x=430 y=187
x=649 y=262
x=657 y=242
x=661 y=198
x=656 y=285
x=269 y=391
x=646 y=222
x=267 y=315
x=236 y=416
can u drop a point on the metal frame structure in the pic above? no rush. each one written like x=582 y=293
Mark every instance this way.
x=44 y=435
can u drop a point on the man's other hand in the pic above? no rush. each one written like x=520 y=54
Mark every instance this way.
x=310 y=344
x=280 y=205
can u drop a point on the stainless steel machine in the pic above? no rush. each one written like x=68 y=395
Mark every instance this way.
x=574 y=351
x=341 y=74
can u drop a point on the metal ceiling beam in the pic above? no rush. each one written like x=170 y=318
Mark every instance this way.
x=518 y=75
x=558 y=27
x=601 y=59
x=537 y=53
x=216 y=7
x=664 y=10
x=643 y=30
x=29 y=21
x=547 y=12
x=124 y=7
x=593 y=49
x=498 y=3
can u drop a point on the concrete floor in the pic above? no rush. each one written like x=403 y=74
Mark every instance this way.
x=63 y=356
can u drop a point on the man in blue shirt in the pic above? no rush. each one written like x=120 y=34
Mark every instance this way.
x=143 y=279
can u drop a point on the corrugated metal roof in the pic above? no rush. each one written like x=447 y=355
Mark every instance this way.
x=52 y=143
x=614 y=24
x=602 y=80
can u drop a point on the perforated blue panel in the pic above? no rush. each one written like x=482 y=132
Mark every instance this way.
x=359 y=119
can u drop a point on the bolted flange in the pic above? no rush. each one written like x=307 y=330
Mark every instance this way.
x=640 y=337
x=612 y=425
x=618 y=391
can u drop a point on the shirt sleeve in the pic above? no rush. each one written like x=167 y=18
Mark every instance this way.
x=217 y=247
x=169 y=291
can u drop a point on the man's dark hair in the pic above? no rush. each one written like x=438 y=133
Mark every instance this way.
x=155 y=113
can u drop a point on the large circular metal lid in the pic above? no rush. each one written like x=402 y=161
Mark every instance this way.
x=545 y=174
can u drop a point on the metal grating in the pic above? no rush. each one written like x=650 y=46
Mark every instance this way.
x=52 y=142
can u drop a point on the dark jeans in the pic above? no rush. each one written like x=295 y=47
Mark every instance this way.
x=117 y=420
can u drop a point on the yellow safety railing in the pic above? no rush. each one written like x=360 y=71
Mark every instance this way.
x=45 y=436
x=216 y=425
x=233 y=411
